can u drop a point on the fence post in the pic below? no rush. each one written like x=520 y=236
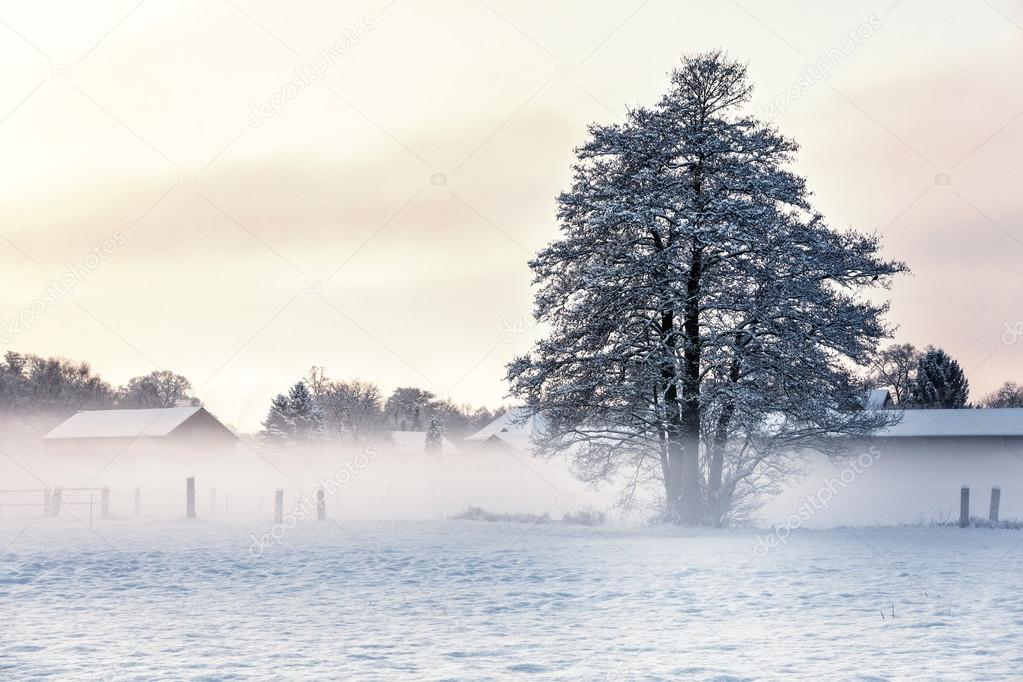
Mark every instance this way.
x=996 y=498
x=321 y=504
x=55 y=502
x=47 y=502
x=138 y=501
x=190 y=497
x=104 y=505
x=279 y=507
x=964 y=507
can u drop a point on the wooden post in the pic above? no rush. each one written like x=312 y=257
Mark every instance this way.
x=47 y=502
x=279 y=507
x=996 y=498
x=138 y=501
x=213 y=501
x=55 y=502
x=104 y=505
x=190 y=497
x=964 y=507
x=321 y=504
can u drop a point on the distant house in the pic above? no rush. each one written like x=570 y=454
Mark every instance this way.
x=190 y=427
x=915 y=468
x=516 y=429
x=908 y=471
x=414 y=443
x=879 y=399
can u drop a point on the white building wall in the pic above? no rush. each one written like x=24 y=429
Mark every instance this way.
x=904 y=481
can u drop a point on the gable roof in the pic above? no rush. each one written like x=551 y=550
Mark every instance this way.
x=516 y=427
x=878 y=399
x=517 y=430
x=988 y=422
x=144 y=423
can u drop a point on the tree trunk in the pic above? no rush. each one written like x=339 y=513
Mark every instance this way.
x=674 y=482
x=690 y=504
x=715 y=468
x=674 y=479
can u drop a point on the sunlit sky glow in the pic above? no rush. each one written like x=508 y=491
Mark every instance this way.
x=379 y=222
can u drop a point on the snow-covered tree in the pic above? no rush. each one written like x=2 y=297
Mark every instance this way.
x=305 y=413
x=50 y=385
x=352 y=410
x=278 y=427
x=156 y=389
x=293 y=419
x=406 y=407
x=1009 y=394
x=459 y=420
x=434 y=436
x=895 y=368
x=940 y=382
x=704 y=319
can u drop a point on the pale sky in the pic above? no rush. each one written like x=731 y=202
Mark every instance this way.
x=379 y=221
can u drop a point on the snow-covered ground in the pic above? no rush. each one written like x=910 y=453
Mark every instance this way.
x=477 y=600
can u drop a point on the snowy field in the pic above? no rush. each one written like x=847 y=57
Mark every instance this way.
x=477 y=600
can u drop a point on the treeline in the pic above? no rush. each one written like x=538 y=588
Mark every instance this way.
x=319 y=408
x=932 y=379
x=34 y=384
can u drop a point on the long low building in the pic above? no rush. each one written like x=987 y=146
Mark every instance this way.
x=176 y=428
x=914 y=469
x=917 y=467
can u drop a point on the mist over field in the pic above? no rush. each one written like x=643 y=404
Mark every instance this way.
x=491 y=340
x=371 y=482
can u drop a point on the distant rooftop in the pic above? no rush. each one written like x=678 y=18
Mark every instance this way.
x=955 y=423
x=517 y=427
x=142 y=423
x=878 y=399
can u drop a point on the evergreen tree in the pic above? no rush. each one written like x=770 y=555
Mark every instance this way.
x=279 y=427
x=305 y=413
x=293 y=419
x=940 y=382
x=434 y=436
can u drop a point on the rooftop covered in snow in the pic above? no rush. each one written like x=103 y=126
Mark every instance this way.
x=515 y=427
x=988 y=422
x=139 y=423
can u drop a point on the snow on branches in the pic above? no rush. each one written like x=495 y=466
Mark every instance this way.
x=704 y=318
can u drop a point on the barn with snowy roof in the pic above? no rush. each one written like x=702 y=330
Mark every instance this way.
x=516 y=429
x=167 y=428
